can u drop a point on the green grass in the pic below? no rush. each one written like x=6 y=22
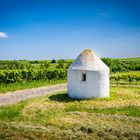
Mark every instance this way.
x=56 y=116
x=10 y=113
x=27 y=85
x=127 y=110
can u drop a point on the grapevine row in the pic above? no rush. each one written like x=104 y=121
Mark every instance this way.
x=19 y=76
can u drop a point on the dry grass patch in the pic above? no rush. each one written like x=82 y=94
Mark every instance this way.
x=98 y=121
x=35 y=108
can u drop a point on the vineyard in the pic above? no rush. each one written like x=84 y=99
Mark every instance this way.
x=12 y=76
x=58 y=116
x=20 y=76
x=125 y=76
x=21 y=71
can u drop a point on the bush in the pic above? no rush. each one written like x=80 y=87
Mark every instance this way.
x=53 y=61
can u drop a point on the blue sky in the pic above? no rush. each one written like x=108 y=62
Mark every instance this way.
x=61 y=29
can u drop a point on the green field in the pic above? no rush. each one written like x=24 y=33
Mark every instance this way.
x=56 y=116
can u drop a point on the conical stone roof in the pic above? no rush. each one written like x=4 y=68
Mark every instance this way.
x=88 y=60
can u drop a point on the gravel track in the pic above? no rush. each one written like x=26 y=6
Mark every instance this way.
x=20 y=95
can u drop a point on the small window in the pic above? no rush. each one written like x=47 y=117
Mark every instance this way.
x=83 y=77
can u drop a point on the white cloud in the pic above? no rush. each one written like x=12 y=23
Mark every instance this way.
x=3 y=35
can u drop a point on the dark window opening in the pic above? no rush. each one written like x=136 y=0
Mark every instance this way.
x=83 y=77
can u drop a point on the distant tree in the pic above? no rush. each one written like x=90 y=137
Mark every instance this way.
x=53 y=61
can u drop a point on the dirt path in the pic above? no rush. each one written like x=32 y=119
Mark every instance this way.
x=20 y=95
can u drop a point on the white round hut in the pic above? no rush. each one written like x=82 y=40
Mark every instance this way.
x=88 y=77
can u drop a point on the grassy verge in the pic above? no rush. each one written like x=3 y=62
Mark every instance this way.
x=57 y=116
x=20 y=86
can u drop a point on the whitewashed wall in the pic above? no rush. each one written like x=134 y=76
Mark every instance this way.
x=96 y=84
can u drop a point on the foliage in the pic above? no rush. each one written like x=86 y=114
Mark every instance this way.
x=126 y=76
x=68 y=64
x=15 y=64
x=12 y=76
x=61 y=64
x=19 y=71
x=20 y=76
x=53 y=61
x=118 y=65
x=44 y=65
